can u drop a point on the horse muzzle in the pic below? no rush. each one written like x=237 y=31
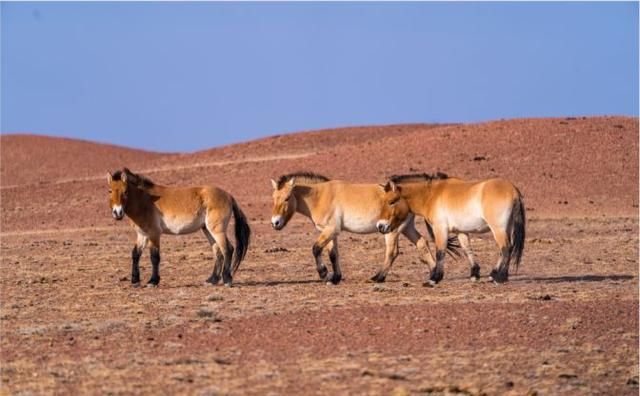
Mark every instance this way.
x=277 y=222
x=117 y=212
x=383 y=227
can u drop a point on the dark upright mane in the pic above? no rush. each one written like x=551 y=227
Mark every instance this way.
x=302 y=178
x=418 y=177
x=135 y=179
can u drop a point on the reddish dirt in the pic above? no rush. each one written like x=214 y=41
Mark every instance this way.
x=566 y=323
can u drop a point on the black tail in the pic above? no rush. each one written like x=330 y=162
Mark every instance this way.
x=243 y=234
x=453 y=245
x=516 y=230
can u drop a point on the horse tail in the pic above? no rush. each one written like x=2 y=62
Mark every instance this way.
x=453 y=245
x=516 y=227
x=243 y=234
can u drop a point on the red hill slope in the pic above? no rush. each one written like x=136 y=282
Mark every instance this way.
x=585 y=166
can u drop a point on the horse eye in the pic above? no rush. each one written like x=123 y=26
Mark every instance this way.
x=110 y=191
x=395 y=201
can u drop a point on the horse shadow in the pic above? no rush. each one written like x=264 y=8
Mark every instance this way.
x=575 y=278
x=279 y=282
x=246 y=283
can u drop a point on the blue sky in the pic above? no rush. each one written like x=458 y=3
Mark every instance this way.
x=188 y=76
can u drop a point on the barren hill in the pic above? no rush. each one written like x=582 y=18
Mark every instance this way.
x=585 y=166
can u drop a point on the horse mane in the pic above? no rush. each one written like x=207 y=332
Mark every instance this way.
x=135 y=179
x=418 y=177
x=302 y=178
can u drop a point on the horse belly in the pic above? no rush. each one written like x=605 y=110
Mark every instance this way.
x=467 y=220
x=177 y=225
x=359 y=225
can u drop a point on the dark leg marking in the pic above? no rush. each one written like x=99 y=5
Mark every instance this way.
x=227 y=278
x=438 y=272
x=135 y=265
x=501 y=274
x=155 y=267
x=335 y=277
x=475 y=271
x=317 y=251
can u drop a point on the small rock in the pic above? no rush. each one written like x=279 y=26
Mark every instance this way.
x=276 y=250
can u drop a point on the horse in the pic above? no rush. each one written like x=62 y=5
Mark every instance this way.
x=452 y=205
x=154 y=210
x=334 y=206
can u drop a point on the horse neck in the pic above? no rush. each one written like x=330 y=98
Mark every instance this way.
x=305 y=199
x=418 y=196
x=137 y=207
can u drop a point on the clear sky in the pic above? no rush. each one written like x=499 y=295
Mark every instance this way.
x=188 y=76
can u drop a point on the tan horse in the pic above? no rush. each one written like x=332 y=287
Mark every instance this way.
x=336 y=206
x=155 y=210
x=451 y=205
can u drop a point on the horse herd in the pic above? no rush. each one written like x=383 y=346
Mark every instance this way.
x=452 y=209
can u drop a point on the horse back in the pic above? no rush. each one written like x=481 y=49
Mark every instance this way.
x=179 y=201
x=357 y=204
x=490 y=199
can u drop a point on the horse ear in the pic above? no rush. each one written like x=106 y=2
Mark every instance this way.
x=383 y=187
x=123 y=176
x=274 y=184
x=392 y=186
x=109 y=177
x=292 y=182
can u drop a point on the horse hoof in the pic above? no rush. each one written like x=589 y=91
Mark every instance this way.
x=474 y=279
x=228 y=284
x=378 y=278
x=475 y=272
x=334 y=279
x=136 y=285
x=430 y=283
x=323 y=273
x=154 y=285
x=498 y=277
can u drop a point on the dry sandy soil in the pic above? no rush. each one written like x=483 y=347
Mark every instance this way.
x=566 y=323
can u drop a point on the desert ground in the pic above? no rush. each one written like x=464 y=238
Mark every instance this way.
x=565 y=323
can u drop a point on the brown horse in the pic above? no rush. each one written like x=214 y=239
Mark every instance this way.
x=451 y=205
x=336 y=206
x=155 y=210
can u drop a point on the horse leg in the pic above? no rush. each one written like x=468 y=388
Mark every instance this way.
x=326 y=236
x=424 y=253
x=136 y=253
x=500 y=273
x=217 y=256
x=391 y=252
x=154 y=248
x=336 y=277
x=441 y=235
x=227 y=252
x=473 y=265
